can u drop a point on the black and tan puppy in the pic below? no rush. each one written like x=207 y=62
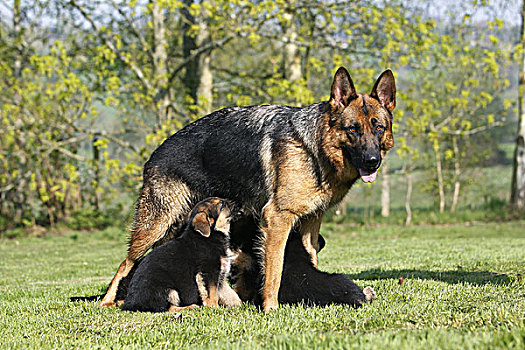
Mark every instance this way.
x=187 y=271
x=301 y=283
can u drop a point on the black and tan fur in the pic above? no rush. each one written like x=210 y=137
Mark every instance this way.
x=284 y=166
x=301 y=282
x=188 y=271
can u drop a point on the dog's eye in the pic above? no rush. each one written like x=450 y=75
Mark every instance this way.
x=380 y=128
x=352 y=129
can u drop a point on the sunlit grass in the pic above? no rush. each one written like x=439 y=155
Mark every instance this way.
x=462 y=287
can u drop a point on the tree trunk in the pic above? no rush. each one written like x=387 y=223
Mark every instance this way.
x=408 y=198
x=291 y=54
x=198 y=78
x=517 y=198
x=18 y=37
x=385 y=190
x=96 y=163
x=457 y=174
x=439 y=173
x=160 y=59
x=205 y=88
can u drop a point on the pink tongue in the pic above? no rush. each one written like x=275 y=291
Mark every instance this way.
x=367 y=177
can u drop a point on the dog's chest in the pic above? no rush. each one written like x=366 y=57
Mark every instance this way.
x=226 y=262
x=304 y=185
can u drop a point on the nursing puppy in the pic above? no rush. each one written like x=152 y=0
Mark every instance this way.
x=188 y=271
x=301 y=283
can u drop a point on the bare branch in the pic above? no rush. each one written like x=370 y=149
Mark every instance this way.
x=118 y=141
x=475 y=130
x=63 y=151
x=134 y=29
x=120 y=55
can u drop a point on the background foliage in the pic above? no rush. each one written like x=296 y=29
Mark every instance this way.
x=89 y=89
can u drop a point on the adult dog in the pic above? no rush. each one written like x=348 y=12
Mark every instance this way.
x=284 y=166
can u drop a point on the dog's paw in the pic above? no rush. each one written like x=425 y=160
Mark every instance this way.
x=370 y=294
x=104 y=304
x=228 y=297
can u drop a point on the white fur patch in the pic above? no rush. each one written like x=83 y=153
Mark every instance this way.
x=203 y=291
x=173 y=297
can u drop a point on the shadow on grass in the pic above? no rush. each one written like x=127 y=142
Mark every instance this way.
x=456 y=276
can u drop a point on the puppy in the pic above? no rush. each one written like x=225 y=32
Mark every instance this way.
x=301 y=283
x=190 y=270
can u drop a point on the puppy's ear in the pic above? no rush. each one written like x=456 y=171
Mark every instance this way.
x=201 y=224
x=222 y=224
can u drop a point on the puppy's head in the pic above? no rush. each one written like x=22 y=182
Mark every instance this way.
x=211 y=214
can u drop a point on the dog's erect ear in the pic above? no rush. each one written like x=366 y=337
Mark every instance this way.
x=201 y=224
x=343 y=90
x=384 y=90
x=222 y=224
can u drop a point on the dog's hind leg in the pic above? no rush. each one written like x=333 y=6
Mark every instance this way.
x=162 y=202
x=227 y=295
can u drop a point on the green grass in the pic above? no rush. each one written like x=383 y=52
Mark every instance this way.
x=463 y=288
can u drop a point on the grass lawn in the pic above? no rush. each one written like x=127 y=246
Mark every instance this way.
x=463 y=287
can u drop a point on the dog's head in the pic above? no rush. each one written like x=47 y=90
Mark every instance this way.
x=361 y=124
x=211 y=214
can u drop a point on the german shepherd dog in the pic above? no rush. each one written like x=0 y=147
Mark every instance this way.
x=284 y=166
x=188 y=271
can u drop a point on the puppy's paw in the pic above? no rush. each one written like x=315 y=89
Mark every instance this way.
x=105 y=303
x=228 y=297
x=370 y=294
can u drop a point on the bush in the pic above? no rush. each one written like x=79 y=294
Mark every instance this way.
x=89 y=219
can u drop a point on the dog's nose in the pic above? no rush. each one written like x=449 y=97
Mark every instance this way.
x=372 y=161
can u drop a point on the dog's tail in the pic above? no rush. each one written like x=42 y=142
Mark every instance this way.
x=90 y=298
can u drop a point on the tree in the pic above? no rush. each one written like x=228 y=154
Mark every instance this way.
x=517 y=198
x=90 y=88
x=458 y=75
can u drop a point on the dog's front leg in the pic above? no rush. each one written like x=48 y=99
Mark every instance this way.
x=276 y=227
x=309 y=230
x=207 y=289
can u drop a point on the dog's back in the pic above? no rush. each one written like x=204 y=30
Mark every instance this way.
x=171 y=266
x=227 y=144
